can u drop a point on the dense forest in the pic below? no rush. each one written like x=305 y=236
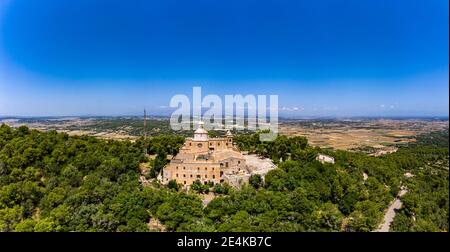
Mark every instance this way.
x=426 y=205
x=54 y=182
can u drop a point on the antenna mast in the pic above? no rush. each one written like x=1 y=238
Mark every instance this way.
x=145 y=132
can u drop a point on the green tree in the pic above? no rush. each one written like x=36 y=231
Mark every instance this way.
x=256 y=181
x=10 y=217
x=173 y=185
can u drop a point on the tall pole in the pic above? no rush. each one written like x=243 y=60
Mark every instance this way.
x=145 y=132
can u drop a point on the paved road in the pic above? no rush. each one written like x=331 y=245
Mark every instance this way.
x=390 y=213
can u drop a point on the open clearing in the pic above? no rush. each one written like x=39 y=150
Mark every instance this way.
x=353 y=134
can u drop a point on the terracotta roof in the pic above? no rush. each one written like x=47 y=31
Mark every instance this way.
x=224 y=154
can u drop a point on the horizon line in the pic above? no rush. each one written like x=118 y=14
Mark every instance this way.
x=2 y=117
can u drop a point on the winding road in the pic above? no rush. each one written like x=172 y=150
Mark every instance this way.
x=390 y=213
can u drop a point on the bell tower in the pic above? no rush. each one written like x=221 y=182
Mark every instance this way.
x=229 y=138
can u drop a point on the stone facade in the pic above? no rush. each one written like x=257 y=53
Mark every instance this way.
x=205 y=159
x=325 y=159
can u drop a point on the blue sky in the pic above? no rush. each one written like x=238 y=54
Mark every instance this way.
x=323 y=58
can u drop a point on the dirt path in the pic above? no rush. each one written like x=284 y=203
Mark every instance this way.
x=390 y=213
x=206 y=198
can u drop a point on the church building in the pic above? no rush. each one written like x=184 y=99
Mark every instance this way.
x=205 y=159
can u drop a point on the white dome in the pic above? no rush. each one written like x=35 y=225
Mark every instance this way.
x=200 y=133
